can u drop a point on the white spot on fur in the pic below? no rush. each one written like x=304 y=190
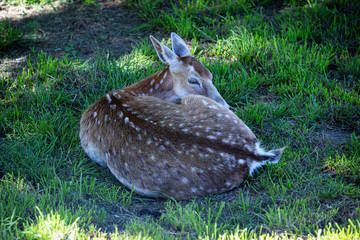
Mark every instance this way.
x=247 y=147
x=225 y=140
x=204 y=102
x=121 y=114
x=210 y=150
x=211 y=137
x=152 y=82
x=126 y=120
x=95 y=114
x=241 y=161
x=113 y=106
x=108 y=98
x=184 y=180
x=117 y=95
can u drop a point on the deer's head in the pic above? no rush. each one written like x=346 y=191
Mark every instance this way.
x=188 y=75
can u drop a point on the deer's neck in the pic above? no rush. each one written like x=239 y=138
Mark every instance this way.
x=159 y=85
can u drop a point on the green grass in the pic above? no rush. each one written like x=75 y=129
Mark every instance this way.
x=289 y=70
x=9 y=35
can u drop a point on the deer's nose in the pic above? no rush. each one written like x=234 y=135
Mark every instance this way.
x=222 y=102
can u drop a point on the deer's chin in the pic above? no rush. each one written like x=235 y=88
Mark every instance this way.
x=173 y=99
x=177 y=101
x=223 y=103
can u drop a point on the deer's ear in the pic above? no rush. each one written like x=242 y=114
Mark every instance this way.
x=165 y=54
x=179 y=46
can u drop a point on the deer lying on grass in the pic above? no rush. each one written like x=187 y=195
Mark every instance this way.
x=163 y=149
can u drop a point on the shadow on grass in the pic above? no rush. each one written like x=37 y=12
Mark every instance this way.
x=74 y=29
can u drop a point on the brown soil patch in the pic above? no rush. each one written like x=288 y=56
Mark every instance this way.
x=332 y=135
x=73 y=29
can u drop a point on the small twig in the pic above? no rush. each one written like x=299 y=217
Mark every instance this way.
x=213 y=40
x=215 y=13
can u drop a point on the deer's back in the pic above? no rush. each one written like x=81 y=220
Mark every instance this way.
x=181 y=150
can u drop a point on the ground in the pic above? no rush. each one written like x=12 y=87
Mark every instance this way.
x=74 y=29
x=318 y=176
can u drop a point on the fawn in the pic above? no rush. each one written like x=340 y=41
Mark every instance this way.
x=162 y=149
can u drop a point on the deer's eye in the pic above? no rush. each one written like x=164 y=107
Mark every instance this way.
x=194 y=81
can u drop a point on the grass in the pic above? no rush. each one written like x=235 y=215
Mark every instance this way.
x=9 y=35
x=289 y=70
